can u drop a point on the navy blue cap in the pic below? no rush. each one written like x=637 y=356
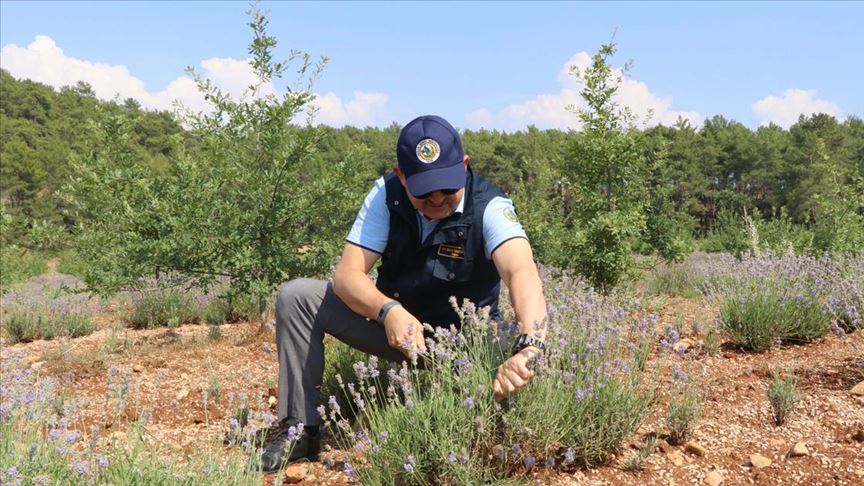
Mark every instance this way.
x=430 y=154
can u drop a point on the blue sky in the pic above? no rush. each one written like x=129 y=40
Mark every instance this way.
x=490 y=64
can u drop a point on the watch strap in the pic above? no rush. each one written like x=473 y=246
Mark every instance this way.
x=527 y=340
x=382 y=314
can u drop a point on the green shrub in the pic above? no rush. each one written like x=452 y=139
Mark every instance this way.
x=684 y=413
x=27 y=324
x=441 y=424
x=783 y=396
x=675 y=280
x=19 y=264
x=72 y=264
x=75 y=325
x=167 y=308
x=770 y=299
x=711 y=343
x=765 y=318
x=728 y=235
x=24 y=326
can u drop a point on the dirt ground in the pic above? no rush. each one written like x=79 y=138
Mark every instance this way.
x=171 y=373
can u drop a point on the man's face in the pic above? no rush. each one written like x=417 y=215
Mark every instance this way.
x=438 y=205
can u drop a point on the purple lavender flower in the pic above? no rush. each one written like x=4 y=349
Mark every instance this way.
x=451 y=458
x=549 y=463
x=80 y=467
x=409 y=464
x=334 y=405
x=349 y=470
x=463 y=456
x=103 y=462
x=469 y=402
x=266 y=347
x=529 y=461
x=679 y=374
x=569 y=456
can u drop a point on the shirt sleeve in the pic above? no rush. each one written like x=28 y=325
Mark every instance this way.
x=372 y=225
x=500 y=224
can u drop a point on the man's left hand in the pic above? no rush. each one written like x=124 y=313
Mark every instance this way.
x=514 y=374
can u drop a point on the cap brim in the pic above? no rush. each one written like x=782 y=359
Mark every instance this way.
x=452 y=177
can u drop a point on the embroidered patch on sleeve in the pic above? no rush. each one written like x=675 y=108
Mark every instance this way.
x=510 y=214
x=456 y=252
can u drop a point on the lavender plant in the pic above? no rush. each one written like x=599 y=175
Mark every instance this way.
x=783 y=396
x=43 y=442
x=771 y=298
x=441 y=424
x=29 y=316
x=846 y=301
x=167 y=308
x=685 y=409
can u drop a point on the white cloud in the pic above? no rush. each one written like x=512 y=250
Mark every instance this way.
x=784 y=110
x=550 y=110
x=45 y=62
x=364 y=109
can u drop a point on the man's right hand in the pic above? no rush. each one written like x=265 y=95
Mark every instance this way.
x=404 y=331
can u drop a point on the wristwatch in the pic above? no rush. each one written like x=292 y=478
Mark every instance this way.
x=382 y=314
x=526 y=340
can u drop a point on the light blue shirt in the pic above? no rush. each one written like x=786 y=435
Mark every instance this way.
x=372 y=225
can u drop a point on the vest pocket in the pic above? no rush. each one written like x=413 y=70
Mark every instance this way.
x=452 y=270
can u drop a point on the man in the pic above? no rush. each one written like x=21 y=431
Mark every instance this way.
x=440 y=231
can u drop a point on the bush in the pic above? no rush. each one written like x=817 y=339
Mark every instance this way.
x=782 y=396
x=684 y=412
x=71 y=264
x=25 y=324
x=18 y=264
x=767 y=299
x=442 y=425
x=846 y=302
x=38 y=444
x=25 y=327
x=675 y=280
x=165 y=308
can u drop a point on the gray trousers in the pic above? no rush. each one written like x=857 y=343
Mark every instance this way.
x=305 y=310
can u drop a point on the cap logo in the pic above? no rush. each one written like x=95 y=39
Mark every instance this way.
x=428 y=150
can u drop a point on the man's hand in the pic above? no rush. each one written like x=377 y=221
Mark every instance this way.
x=404 y=331
x=515 y=373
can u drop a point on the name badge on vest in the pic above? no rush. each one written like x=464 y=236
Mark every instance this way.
x=449 y=250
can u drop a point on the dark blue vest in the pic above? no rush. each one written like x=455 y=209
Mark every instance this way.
x=451 y=262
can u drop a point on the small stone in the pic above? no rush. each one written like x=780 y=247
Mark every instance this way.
x=294 y=473
x=182 y=394
x=695 y=449
x=777 y=443
x=858 y=436
x=137 y=368
x=798 y=450
x=713 y=478
x=759 y=461
x=272 y=401
x=682 y=345
x=858 y=390
x=859 y=473
x=676 y=458
x=36 y=365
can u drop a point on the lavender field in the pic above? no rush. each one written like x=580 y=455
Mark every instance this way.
x=678 y=377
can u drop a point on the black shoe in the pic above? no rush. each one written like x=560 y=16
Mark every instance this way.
x=281 y=439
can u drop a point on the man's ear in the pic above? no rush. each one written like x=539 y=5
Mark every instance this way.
x=467 y=160
x=400 y=175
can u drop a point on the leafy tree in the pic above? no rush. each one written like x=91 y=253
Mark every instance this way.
x=246 y=203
